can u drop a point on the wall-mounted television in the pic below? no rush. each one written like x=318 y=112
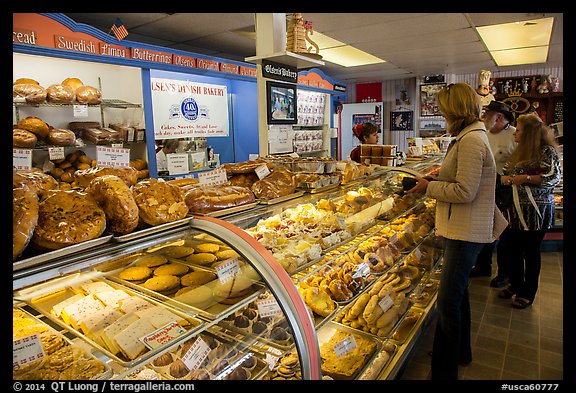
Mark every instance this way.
x=281 y=103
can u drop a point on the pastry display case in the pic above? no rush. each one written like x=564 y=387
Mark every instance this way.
x=332 y=285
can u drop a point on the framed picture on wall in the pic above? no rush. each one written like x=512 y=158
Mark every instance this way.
x=428 y=103
x=402 y=121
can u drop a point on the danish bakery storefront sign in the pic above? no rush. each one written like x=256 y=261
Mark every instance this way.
x=185 y=109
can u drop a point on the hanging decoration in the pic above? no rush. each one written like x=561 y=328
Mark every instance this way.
x=298 y=31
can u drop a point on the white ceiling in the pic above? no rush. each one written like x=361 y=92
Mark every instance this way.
x=413 y=44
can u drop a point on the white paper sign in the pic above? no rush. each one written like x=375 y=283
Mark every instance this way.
x=227 y=270
x=280 y=139
x=21 y=159
x=267 y=308
x=163 y=335
x=112 y=157
x=184 y=109
x=196 y=354
x=385 y=303
x=56 y=153
x=272 y=356
x=177 y=163
x=217 y=176
x=262 y=171
x=80 y=110
x=345 y=346
x=27 y=350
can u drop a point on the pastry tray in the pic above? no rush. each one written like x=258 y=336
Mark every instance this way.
x=328 y=331
x=139 y=233
x=406 y=326
x=51 y=293
x=55 y=254
x=228 y=211
x=107 y=373
x=284 y=198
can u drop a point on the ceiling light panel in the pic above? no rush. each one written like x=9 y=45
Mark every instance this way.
x=534 y=32
x=532 y=55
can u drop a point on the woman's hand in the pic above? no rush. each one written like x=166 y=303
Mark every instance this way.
x=420 y=187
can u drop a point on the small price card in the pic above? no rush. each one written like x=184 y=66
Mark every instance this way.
x=194 y=357
x=363 y=270
x=227 y=270
x=56 y=153
x=21 y=159
x=418 y=253
x=80 y=110
x=262 y=171
x=178 y=163
x=272 y=356
x=26 y=350
x=268 y=307
x=385 y=303
x=112 y=157
x=394 y=237
x=163 y=335
x=345 y=346
x=217 y=176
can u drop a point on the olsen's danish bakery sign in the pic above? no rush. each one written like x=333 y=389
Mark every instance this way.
x=184 y=109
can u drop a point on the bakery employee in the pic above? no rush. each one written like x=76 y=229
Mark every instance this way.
x=169 y=146
x=367 y=133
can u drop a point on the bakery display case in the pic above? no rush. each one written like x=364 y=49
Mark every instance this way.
x=282 y=291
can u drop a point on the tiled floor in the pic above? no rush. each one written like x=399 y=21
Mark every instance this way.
x=508 y=344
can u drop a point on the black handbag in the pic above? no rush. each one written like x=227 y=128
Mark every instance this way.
x=504 y=198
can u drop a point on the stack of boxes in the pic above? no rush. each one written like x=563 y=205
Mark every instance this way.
x=384 y=155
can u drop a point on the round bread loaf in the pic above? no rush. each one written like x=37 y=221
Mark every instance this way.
x=25 y=90
x=23 y=138
x=26 y=81
x=73 y=83
x=24 y=218
x=35 y=125
x=159 y=202
x=38 y=181
x=61 y=137
x=60 y=94
x=88 y=95
x=208 y=199
x=66 y=218
x=84 y=177
x=115 y=197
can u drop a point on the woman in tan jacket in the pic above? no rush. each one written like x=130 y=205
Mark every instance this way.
x=465 y=214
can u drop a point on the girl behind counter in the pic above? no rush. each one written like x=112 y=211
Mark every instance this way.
x=367 y=133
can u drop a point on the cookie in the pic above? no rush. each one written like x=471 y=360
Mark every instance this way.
x=176 y=251
x=197 y=278
x=226 y=254
x=151 y=261
x=162 y=283
x=135 y=273
x=202 y=258
x=206 y=247
x=183 y=290
x=171 y=269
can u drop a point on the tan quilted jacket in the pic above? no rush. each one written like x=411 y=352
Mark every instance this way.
x=465 y=187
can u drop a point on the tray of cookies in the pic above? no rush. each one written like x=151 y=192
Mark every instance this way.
x=208 y=356
x=208 y=291
x=127 y=326
x=42 y=353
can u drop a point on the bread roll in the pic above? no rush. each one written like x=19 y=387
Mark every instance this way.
x=61 y=137
x=60 y=94
x=24 y=218
x=35 y=125
x=73 y=83
x=208 y=199
x=23 y=138
x=88 y=95
x=159 y=202
x=25 y=81
x=117 y=201
x=66 y=218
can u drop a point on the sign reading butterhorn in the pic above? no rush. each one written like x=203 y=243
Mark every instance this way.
x=279 y=71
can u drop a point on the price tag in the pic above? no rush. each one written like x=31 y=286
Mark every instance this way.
x=341 y=222
x=363 y=270
x=345 y=346
x=267 y=308
x=418 y=290
x=385 y=303
x=163 y=335
x=178 y=163
x=194 y=357
x=253 y=157
x=228 y=270
x=262 y=171
x=27 y=350
x=112 y=157
x=117 y=145
x=80 y=110
x=56 y=153
x=217 y=176
x=272 y=356
x=21 y=159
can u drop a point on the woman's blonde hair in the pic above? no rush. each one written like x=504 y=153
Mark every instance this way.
x=534 y=135
x=460 y=105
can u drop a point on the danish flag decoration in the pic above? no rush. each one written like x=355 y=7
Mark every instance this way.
x=119 y=30
x=308 y=24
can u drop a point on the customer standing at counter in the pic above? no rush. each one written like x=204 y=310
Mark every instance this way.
x=465 y=218
x=367 y=133
x=533 y=172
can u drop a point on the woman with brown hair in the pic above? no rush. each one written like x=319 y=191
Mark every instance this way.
x=366 y=133
x=533 y=171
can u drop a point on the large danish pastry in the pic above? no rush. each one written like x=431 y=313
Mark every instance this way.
x=115 y=197
x=159 y=202
x=67 y=217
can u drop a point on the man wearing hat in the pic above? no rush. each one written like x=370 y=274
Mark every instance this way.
x=498 y=119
